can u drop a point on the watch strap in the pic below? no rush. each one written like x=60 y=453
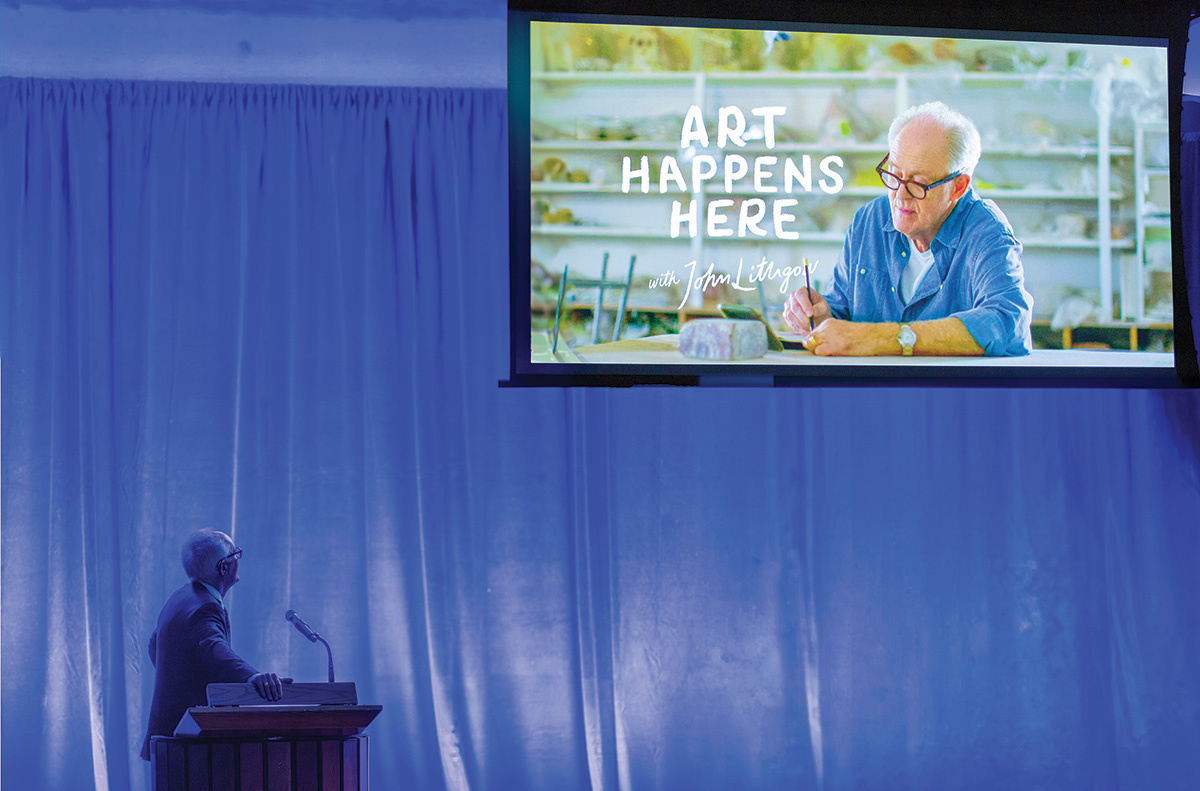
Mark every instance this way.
x=906 y=333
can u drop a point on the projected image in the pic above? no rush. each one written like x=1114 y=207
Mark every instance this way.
x=868 y=196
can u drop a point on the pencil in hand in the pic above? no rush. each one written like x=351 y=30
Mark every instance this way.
x=808 y=291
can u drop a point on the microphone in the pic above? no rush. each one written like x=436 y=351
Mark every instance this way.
x=301 y=626
x=312 y=636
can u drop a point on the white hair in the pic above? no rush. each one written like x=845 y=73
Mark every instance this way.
x=962 y=138
x=201 y=552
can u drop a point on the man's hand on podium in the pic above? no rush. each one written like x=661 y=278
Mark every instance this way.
x=267 y=684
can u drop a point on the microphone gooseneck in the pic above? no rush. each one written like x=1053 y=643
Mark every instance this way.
x=307 y=631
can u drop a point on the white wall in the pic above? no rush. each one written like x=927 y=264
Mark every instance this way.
x=167 y=44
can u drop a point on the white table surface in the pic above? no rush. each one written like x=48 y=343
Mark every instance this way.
x=636 y=352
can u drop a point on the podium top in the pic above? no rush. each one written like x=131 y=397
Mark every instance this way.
x=304 y=694
x=259 y=721
x=319 y=709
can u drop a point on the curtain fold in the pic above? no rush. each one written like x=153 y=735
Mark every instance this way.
x=281 y=311
x=1189 y=195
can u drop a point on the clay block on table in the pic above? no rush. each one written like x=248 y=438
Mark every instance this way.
x=723 y=339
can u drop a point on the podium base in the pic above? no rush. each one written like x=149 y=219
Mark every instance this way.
x=288 y=763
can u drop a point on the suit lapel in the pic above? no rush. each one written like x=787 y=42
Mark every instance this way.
x=204 y=593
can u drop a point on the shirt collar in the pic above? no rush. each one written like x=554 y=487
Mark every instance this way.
x=213 y=591
x=951 y=230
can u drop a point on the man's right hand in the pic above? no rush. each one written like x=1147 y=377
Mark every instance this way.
x=800 y=307
x=268 y=685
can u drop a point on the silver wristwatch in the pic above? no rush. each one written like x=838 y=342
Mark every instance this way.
x=907 y=338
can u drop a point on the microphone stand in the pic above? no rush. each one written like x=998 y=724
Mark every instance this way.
x=292 y=617
x=330 y=652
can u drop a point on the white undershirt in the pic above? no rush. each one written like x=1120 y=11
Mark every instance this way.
x=918 y=265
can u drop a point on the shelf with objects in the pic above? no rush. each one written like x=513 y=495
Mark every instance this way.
x=614 y=172
x=1121 y=335
x=1150 y=276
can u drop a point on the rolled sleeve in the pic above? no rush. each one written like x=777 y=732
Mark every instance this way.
x=1002 y=313
x=977 y=275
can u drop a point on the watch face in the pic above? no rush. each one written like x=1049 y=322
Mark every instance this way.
x=907 y=336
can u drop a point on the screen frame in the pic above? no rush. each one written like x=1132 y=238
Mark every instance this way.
x=1167 y=23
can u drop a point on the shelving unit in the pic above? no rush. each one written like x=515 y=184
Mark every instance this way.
x=1118 y=335
x=1152 y=219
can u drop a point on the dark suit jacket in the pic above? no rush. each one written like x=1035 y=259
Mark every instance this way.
x=190 y=650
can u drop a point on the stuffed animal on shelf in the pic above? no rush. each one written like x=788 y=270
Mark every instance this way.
x=652 y=49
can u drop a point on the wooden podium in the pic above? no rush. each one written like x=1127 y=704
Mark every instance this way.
x=310 y=740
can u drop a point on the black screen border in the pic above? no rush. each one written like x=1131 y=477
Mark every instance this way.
x=1152 y=24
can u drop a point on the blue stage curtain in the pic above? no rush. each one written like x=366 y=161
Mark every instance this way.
x=281 y=311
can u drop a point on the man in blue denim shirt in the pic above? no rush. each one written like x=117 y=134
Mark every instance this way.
x=929 y=269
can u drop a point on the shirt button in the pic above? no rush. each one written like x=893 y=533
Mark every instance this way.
x=893 y=289
x=904 y=255
x=862 y=271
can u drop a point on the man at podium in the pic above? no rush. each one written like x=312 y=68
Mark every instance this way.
x=190 y=647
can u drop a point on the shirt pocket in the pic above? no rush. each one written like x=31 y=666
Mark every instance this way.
x=873 y=298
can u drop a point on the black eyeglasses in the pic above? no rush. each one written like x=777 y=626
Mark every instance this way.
x=914 y=188
x=234 y=555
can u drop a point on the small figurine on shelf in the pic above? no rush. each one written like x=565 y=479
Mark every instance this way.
x=541 y=280
x=939 y=52
x=771 y=36
x=906 y=54
x=652 y=49
x=796 y=52
x=594 y=47
x=560 y=216
x=554 y=169
x=1072 y=312
x=945 y=50
x=640 y=53
x=737 y=50
x=1008 y=58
